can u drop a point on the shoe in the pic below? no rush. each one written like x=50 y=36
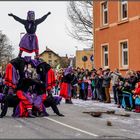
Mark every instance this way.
x=100 y=100
x=68 y=101
x=118 y=106
x=1 y=116
x=128 y=109
x=107 y=101
x=61 y=115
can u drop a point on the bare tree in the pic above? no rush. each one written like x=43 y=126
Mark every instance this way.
x=80 y=16
x=64 y=62
x=6 y=50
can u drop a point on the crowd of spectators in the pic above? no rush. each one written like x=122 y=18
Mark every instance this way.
x=99 y=85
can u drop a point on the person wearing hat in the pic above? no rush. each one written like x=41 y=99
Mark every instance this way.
x=47 y=77
x=45 y=73
x=65 y=86
x=14 y=72
x=14 y=76
x=29 y=42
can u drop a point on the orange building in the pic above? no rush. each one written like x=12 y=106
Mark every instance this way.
x=117 y=34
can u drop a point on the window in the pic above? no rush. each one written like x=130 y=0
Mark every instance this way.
x=55 y=61
x=124 y=54
x=50 y=62
x=124 y=9
x=105 y=13
x=50 y=55
x=105 y=56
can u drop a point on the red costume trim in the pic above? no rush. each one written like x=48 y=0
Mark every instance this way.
x=9 y=76
x=24 y=104
x=64 y=90
x=29 y=51
x=50 y=79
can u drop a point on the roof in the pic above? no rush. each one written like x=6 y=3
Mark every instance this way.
x=49 y=50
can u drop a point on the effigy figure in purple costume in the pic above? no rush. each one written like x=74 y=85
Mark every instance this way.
x=29 y=42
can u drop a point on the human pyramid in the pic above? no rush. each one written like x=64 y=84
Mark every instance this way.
x=29 y=96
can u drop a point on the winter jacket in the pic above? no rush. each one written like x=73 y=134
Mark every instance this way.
x=115 y=78
x=106 y=80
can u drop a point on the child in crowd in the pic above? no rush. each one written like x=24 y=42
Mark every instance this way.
x=136 y=96
x=89 y=88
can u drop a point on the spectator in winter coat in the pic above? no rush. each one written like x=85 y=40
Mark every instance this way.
x=98 y=85
x=106 y=85
x=115 y=82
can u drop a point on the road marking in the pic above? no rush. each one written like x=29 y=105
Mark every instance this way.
x=80 y=130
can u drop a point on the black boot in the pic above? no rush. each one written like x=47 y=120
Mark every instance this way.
x=61 y=115
x=68 y=101
x=55 y=108
x=4 y=107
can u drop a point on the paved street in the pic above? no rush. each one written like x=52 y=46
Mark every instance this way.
x=74 y=125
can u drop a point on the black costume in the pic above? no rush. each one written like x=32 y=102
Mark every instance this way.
x=29 y=42
x=13 y=101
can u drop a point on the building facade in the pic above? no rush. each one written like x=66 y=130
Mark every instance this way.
x=50 y=57
x=54 y=59
x=80 y=54
x=117 y=34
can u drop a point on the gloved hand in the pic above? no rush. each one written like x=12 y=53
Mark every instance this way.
x=49 y=13
x=10 y=14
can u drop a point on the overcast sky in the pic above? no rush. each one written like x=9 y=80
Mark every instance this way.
x=52 y=32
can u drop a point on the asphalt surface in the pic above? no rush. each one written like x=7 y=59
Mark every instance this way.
x=75 y=124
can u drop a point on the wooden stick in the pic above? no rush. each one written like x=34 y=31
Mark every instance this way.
x=108 y=112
